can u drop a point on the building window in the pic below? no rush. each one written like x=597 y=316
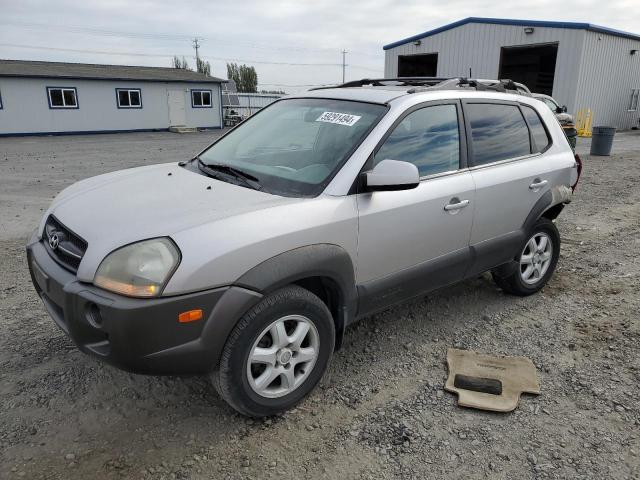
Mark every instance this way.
x=633 y=104
x=129 y=97
x=201 y=99
x=62 y=97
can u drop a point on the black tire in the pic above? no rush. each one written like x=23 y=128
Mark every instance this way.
x=513 y=282
x=230 y=380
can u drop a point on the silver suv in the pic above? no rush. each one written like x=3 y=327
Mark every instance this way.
x=248 y=261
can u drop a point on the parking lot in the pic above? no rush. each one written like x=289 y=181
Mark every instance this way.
x=381 y=411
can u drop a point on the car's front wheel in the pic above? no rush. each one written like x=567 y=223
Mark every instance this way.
x=536 y=262
x=277 y=353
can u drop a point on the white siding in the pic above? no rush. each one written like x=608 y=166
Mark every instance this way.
x=608 y=74
x=26 y=108
x=477 y=46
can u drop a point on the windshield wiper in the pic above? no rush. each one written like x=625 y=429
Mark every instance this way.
x=246 y=178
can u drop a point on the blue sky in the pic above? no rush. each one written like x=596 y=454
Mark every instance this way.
x=292 y=44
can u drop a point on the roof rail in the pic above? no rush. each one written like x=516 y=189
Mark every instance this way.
x=502 y=85
x=399 y=81
x=421 y=84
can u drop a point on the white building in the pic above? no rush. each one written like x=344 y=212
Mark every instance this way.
x=581 y=65
x=55 y=98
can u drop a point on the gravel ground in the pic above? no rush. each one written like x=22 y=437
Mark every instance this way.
x=380 y=411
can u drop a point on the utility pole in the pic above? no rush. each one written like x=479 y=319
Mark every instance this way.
x=344 y=65
x=196 y=45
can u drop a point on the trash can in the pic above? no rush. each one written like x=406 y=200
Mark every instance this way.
x=602 y=140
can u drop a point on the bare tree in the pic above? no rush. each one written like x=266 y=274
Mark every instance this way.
x=177 y=62
x=203 y=67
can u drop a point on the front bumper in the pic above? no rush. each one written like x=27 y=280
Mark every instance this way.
x=138 y=335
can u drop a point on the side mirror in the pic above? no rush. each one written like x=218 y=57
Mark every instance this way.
x=558 y=109
x=564 y=109
x=392 y=175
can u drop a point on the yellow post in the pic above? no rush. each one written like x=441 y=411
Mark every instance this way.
x=584 y=118
x=587 y=127
x=579 y=115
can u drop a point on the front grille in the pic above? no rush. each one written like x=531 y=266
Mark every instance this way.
x=64 y=246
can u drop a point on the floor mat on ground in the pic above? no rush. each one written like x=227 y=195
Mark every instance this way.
x=488 y=382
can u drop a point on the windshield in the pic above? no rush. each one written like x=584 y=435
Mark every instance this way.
x=550 y=103
x=294 y=147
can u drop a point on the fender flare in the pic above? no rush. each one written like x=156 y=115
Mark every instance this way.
x=541 y=206
x=318 y=260
x=558 y=195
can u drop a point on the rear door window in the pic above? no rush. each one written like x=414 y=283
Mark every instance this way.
x=538 y=132
x=498 y=132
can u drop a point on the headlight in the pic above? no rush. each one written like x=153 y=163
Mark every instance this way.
x=139 y=270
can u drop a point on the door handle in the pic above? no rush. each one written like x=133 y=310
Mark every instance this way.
x=537 y=183
x=453 y=206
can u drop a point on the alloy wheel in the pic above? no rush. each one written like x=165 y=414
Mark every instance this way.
x=536 y=258
x=283 y=356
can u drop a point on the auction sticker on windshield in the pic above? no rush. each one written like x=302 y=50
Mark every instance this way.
x=339 y=118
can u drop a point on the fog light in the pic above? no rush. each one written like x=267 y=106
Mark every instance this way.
x=93 y=316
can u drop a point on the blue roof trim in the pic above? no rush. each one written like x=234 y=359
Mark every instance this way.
x=514 y=22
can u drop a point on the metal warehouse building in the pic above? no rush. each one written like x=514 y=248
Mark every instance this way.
x=53 y=98
x=581 y=65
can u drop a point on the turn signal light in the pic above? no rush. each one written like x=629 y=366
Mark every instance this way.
x=126 y=288
x=190 y=316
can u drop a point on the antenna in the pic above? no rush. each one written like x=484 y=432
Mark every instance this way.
x=344 y=65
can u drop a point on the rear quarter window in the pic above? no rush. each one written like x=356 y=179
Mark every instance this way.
x=498 y=132
x=541 y=140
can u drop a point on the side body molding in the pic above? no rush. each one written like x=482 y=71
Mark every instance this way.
x=327 y=261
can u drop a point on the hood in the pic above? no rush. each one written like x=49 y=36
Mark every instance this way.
x=119 y=208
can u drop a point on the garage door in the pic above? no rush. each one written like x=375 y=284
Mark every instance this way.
x=425 y=65
x=533 y=65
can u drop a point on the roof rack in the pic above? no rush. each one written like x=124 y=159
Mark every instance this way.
x=379 y=82
x=421 y=84
x=502 y=85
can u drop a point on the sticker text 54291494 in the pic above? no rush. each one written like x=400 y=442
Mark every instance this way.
x=339 y=118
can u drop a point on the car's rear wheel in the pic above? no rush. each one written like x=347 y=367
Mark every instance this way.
x=536 y=262
x=277 y=353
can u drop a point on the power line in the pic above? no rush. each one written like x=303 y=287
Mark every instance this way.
x=308 y=64
x=96 y=31
x=157 y=36
x=362 y=67
x=289 y=85
x=152 y=55
x=76 y=50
